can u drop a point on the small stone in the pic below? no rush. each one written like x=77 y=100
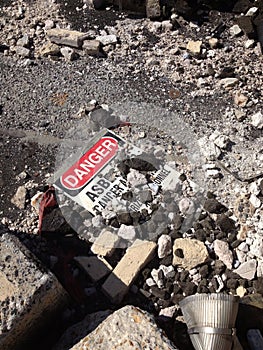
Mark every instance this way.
x=186 y=206
x=240 y=99
x=249 y=43
x=22 y=51
x=49 y=24
x=224 y=253
x=19 y=199
x=255 y=201
x=164 y=246
x=240 y=115
x=235 y=30
x=252 y=11
x=49 y=49
x=24 y=41
x=228 y=82
x=241 y=291
x=127 y=232
x=91 y=47
x=257 y=120
x=169 y=311
x=168 y=271
x=68 y=53
x=135 y=178
x=260 y=268
x=213 y=43
x=194 y=253
x=194 y=47
x=107 y=39
x=150 y=282
x=247 y=269
x=167 y=25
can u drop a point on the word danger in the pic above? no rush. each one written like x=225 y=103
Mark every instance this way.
x=80 y=173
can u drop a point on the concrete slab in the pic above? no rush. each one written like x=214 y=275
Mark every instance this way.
x=29 y=294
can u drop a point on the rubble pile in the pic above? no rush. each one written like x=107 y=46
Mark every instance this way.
x=129 y=261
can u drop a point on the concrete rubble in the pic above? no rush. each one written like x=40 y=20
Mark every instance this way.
x=30 y=296
x=128 y=328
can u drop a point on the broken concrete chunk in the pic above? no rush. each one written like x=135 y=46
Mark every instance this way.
x=19 y=199
x=107 y=39
x=66 y=37
x=194 y=47
x=68 y=53
x=105 y=244
x=49 y=49
x=80 y=330
x=91 y=47
x=257 y=120
x=95 y=267
x=189 y=253
x=128 y=328
x=135 y=258
x=224 y=253
x=36 y=294
x=247 y=269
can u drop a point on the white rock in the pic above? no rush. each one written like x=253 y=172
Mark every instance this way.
x=209 y=149
x=256 y=248
x=167 y=25
x=235 y=30
x=107 y=39
x=157 y=277
x=186 y=206
x=243 y=247
x=254 y=189
x=168 y=271
x=255 y=201
x=150 y=282
x=68 y=53
x=249 y=43
x=164 y=246
x=169 y=311
x=127 y=232
x=241 y=291
x=247 y=269
x=135 y=178
x=223 y=252
x=257 y=120
x=228 y=82
x=252 y=11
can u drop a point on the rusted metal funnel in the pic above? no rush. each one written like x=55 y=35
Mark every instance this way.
x=210 y=319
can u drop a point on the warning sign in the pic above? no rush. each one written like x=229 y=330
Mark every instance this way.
x=93 y=180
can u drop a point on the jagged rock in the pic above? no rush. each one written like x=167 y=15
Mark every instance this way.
x=49 y=49
x=189 y=253
x=257 y=120
x=129 y=328
x=68 y=53
x=19 y=199
x=247 y=269
x=224 y=253
x=194 y=47
x=22 y=51
x=107 y=39
x=164 y=246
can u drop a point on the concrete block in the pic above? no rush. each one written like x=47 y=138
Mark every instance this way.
x=95 y=267
x=66 y=37
x=29 y=294
x=123 y=275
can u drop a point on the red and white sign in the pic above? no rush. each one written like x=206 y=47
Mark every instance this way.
x=80 y=173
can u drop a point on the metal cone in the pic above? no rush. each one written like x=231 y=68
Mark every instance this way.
x=210 y=319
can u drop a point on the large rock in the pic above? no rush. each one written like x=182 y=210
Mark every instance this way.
x=66 y=37
x=128 y=328
x=29 y=295
x=189 y=253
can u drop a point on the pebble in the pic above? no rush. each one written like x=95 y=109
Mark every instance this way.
x=228 y=82
x=22 y=51
x=127 y=232
x=68 y=53
x=164 y=246
x=255 y=201
x=235 y=30
x=257 y=120
x=194 y=47
x=241 y=291
x=107 y=39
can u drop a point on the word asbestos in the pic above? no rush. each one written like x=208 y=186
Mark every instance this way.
x=87 y=180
